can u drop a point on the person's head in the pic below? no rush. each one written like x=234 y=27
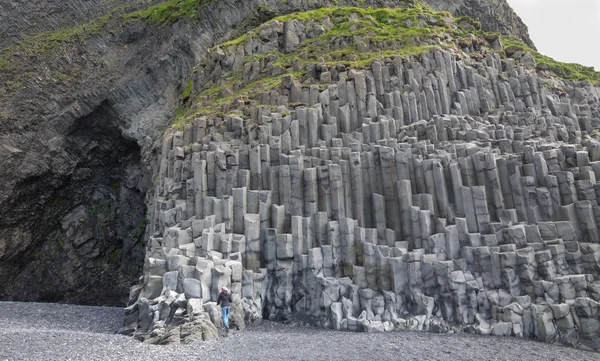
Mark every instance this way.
x=224 y=289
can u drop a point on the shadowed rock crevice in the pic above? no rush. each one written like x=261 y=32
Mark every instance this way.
x=86 y=244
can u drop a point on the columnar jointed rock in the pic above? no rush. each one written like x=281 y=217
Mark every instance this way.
x=390 y=203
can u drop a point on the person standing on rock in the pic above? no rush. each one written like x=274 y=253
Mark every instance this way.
x=224 y=300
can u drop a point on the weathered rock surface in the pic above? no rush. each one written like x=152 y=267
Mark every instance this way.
x=445 y=192
x=74 y=165
x=452 y=191
x=21 y=19
x=495 y=15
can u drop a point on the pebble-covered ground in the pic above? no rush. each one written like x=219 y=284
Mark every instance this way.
x=33 y=331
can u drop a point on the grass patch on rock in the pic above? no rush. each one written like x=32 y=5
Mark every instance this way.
x=567 y=71
x=350 y=37
x=19 y=62
x=170 y=11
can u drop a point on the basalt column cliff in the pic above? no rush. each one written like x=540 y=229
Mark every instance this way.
x=86 y=86
x=356 y=165
x=377 y=170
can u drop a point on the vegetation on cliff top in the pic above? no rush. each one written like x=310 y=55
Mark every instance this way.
x=352 y=38
x=568 y=71
x=170 y=11
x=409 y=31
x=49 y=46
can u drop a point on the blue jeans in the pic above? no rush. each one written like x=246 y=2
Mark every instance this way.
x=225 y=314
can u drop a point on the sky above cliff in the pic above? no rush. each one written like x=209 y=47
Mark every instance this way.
x=567 y=30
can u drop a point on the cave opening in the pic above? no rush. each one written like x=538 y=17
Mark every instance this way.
x=88 y=225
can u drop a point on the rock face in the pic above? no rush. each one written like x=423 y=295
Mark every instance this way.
x=450 y=191
x=74 y=165
x=21 y=19
x=494 y=15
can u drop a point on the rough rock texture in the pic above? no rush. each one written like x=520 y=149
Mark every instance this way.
x=495 y=15
x=21 y=19
x=73 y=168
x=451 y=191
x=74 y=171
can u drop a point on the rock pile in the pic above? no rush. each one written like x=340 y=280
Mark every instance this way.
x=453 y=191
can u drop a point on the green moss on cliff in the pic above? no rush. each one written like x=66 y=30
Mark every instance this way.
x=23 y=61
x=350 y=37
x=211 y=101
x=568 y=71
x=360 y=35
x=187 y=91
x=170 y=11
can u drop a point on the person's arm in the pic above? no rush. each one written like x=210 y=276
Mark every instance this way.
x=218 y=299
x=230 y=301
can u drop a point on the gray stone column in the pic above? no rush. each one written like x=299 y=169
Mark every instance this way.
x=347 y=245
x=296 y=185
x=320 y=225
x=347 y=187
x=481 y=209
x=190 y=201
x=405 y=203
x=324 y=190
x=366 y=192
x=357 y=188
x=255 y=169
x=200 y=184
x=566 y=184
x=310 y=192
x=553 y=189
x=441 y=191
x=337 y=192
x=416 y=228
x=308 y=234
x=265 y=164
x=239 y=209
x=379 y=210
x=390 y=192
x=470 y=214
x=228 y=213
x=253 y=243
x=220 y=170
x=285 y=191
x=514 y=176
x=274 y=183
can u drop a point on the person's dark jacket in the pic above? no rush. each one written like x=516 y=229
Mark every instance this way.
x=224 y=299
